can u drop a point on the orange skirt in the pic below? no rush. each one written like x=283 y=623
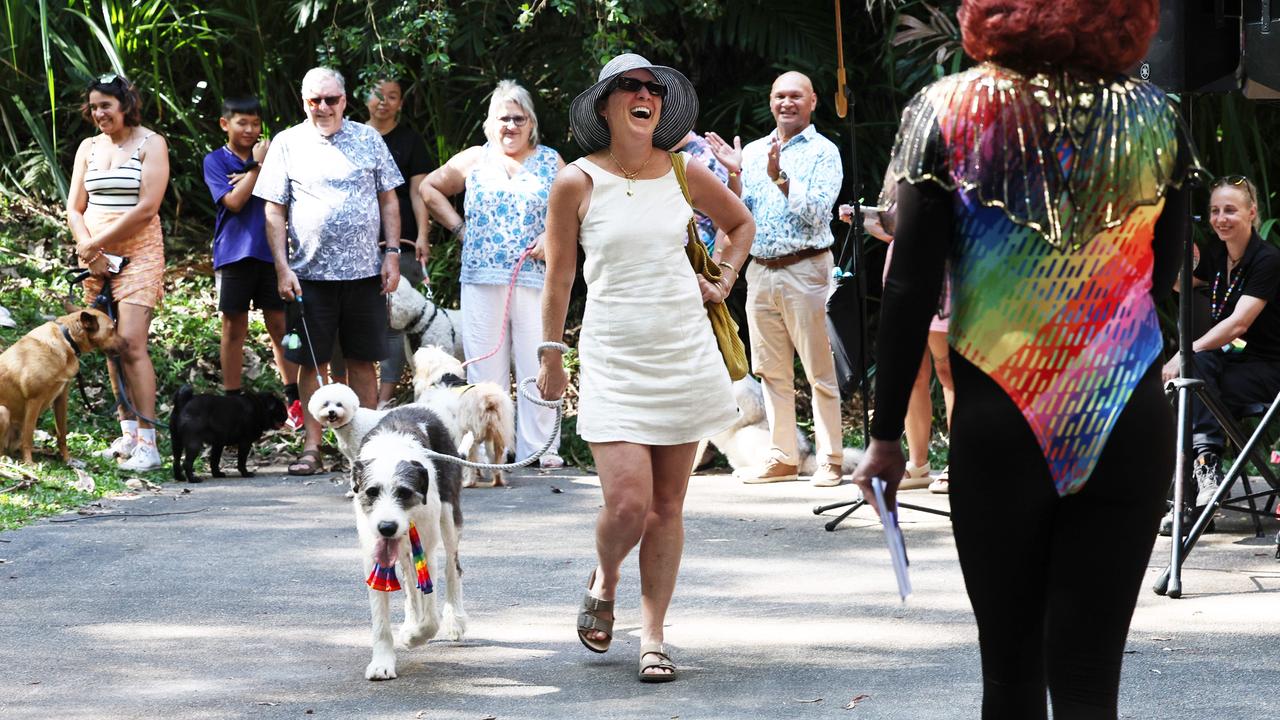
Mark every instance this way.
x=141 y=282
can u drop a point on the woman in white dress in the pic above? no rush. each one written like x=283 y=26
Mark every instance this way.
x=652 y=381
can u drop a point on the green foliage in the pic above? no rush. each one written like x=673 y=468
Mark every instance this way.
x=184 y=349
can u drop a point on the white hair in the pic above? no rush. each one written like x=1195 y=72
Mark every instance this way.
x=510 y=91
x=316 y=75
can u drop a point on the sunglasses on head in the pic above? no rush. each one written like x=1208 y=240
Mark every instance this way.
x=107 y=79
x=1239 y=181
x=330 y=100
x=630 y=84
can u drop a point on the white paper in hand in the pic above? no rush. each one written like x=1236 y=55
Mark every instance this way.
x=893 y=538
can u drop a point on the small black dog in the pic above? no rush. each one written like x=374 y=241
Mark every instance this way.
x=218 y=420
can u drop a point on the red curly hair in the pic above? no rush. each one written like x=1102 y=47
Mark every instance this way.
x=1105 y=35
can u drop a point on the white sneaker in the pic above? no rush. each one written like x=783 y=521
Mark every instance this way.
x=120 y=447
x=144 y=457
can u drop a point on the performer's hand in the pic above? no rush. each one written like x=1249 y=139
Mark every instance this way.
x=883 y=459
x=552 y=379
x=730 y=156
x=1171 y=368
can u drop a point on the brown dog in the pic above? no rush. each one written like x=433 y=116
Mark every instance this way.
x=36 y=373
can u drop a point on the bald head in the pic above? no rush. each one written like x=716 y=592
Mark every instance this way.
x=792 y=78
x=792 y=101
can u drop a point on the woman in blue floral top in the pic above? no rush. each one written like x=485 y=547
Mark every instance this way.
x=507 y=181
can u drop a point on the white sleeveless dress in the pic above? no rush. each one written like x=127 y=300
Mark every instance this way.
x=651 y=372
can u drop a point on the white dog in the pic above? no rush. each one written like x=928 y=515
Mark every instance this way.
x=397 y=485
x=747 y=443
x=484 y=412
x=335 y=406
x=423 y=322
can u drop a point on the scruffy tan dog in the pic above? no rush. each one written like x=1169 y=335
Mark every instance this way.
x=36 y=373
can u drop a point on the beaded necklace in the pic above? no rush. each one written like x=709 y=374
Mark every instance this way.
x=1216 y=304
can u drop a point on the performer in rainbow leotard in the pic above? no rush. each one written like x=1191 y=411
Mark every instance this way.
x=1052 y=184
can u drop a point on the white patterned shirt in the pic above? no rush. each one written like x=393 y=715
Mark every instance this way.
x=330 y=185
x=801 y=219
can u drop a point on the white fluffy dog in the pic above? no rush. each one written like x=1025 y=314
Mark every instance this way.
x=335 y=406
x=423 y=322
x=747 y=443
x=397 y=484
x=484 y=412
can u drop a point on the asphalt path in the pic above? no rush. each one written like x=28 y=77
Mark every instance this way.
x=244 y=599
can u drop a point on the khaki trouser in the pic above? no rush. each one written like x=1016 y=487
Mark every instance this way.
x=787 y=314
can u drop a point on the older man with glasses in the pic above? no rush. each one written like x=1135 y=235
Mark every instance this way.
x=330 y=185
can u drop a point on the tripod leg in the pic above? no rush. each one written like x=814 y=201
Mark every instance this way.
x=831 y=526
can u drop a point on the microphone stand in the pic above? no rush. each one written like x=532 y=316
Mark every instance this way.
x=853 y=251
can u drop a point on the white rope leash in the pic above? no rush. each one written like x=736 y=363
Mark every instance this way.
x=521 y=388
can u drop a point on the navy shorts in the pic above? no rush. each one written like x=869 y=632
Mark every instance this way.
x=355 y=308
x=245 y=281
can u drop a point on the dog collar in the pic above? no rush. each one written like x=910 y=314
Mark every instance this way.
x=67 y=335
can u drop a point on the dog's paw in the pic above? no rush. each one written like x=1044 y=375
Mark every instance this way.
x=454 y=625
x=381 y=668
x=412 y=635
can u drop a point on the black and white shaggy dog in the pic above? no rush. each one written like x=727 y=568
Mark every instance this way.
x=216 y=421
x=396 y=484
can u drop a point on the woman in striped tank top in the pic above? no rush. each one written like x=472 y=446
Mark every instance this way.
x=113 y=208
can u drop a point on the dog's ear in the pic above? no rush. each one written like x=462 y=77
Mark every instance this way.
x=358 y=475
x=423 y=478
x=88 y=322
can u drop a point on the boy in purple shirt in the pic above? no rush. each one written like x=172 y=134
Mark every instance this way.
x=243 y=266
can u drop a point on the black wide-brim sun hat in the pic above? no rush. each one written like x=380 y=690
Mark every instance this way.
x=679 y=107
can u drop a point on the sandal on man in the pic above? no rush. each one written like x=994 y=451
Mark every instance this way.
x=653 y=657
x=308 y=463
x=590 y=620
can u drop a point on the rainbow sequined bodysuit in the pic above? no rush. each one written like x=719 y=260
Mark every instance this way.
x=1058 y=182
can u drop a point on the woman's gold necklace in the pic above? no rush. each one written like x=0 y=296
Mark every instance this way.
x=631 y=176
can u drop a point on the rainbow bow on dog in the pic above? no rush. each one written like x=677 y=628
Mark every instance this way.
x=384 y=579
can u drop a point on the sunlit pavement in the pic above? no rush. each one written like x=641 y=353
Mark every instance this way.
x=246 y=601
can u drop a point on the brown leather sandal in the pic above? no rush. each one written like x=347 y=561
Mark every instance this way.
x=589 y=619
x=663 y=662
x=308 y=463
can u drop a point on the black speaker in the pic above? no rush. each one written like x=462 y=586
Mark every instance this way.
x=1196 y=49
x=1262 y=52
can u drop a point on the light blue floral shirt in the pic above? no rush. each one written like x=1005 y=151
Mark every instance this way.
x=330 y=185
x=504 y=216
x=801 y=219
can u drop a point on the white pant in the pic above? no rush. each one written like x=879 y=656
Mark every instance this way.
x=482 y=310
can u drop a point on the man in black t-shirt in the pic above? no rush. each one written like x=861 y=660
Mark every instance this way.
x=1243 y=276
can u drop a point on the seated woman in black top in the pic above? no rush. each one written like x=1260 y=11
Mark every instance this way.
x=1243 y=274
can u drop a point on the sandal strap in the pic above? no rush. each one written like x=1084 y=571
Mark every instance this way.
x=589 y=622
x=594 y=604
x=664 y=660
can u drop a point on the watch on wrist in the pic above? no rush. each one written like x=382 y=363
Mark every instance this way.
x=392 y=249
x=782 y=178
x=251 y=164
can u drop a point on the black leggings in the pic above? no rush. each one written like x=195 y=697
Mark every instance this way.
x=1053 y=581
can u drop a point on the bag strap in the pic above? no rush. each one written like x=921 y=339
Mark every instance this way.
x=697 y=252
